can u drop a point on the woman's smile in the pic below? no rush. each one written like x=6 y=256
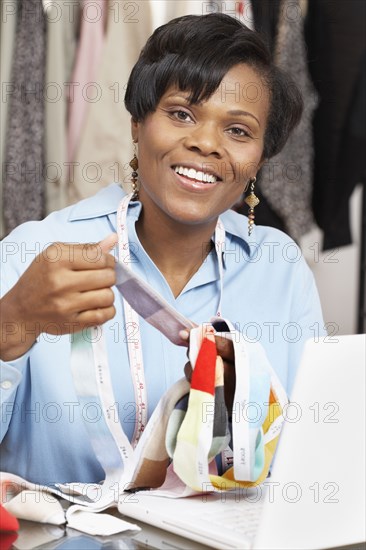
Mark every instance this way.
x=195 y=179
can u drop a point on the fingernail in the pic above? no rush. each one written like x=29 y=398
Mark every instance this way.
x=184 y=334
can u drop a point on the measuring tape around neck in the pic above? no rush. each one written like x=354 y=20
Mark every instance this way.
x=132 y=320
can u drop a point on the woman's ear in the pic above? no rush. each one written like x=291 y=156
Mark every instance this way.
x=134 y=130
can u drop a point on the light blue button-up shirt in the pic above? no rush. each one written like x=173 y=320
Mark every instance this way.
x=269 y=295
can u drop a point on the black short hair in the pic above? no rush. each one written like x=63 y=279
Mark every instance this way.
x=195 y=52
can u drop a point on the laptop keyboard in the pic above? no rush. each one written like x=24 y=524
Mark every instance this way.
x=236 y=518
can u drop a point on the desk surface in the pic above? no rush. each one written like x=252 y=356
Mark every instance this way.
x=49 y=537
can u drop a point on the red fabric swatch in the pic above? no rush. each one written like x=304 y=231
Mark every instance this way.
x=7 y=540
x=7 y=521
x=203 y=376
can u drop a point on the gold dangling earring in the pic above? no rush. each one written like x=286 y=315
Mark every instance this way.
x=134 y=163
x=252 y=201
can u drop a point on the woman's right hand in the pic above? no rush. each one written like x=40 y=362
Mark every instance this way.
x=65 y=289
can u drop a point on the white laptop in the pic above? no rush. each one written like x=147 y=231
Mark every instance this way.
x=315 y=497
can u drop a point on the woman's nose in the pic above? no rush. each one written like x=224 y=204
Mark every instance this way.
x=204 y=138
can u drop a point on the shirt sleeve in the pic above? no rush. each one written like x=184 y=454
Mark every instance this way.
x=10 y=377
x=11 y=372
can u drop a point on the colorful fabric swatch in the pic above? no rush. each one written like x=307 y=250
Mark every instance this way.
x=190 y=427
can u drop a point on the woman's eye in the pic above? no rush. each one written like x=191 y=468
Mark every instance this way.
x=181 y=115
x=239 y=132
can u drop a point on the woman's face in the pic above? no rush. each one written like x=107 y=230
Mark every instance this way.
x=195 y=161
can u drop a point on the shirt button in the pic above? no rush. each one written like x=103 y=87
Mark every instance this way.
x=6 y=385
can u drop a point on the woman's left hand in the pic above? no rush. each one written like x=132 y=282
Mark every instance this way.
x=225 y=349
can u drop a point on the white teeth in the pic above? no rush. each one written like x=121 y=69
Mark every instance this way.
x=195 y=175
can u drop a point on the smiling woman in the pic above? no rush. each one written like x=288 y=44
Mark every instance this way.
x=208 y=108
x=197 y=159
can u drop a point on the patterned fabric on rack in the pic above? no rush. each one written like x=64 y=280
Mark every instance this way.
x=62 y=38
x=23 y=192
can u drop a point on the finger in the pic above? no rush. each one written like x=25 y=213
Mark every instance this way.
x=229 y=384
x=95 y=317
x=109 y=243
x=76 y=256
x=225 y=348
x=95 y=299
x=184 y=334
x=219 y=371
x=188 y=371
x=87 y=256
x=94 y=279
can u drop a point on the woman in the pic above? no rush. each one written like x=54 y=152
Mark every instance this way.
x=208 y=109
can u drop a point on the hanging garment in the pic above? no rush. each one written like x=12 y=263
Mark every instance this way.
x=163 y=11
x=82 y=87
x=286 y=179
x=266 y=15
x=178 y=8
x=8 y=26
x=105 y=146
x=23 y=171
x=262 y=16
x=243 y=11
x=336 y=43
x=63 y=19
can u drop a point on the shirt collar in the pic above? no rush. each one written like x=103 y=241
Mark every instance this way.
x=103 y=203
x=237 y=225
x=106 y=201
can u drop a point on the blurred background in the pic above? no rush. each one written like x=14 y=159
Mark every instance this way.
x=65 y=132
